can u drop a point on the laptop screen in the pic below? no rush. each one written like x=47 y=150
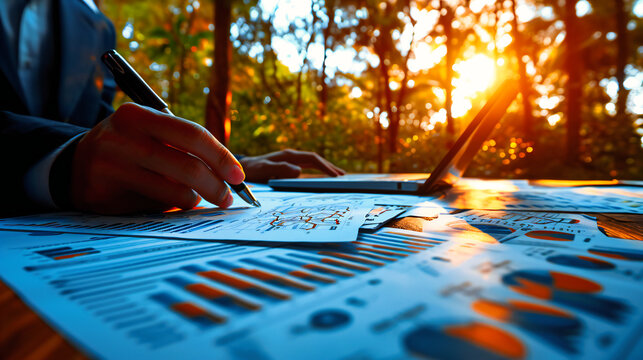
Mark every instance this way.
x=468 y=144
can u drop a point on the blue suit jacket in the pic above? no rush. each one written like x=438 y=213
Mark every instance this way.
x=81 y=99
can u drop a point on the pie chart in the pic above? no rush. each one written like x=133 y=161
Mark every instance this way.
x=579 y=261
x=463 y=340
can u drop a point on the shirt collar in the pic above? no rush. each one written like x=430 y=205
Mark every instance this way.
x=92 y=5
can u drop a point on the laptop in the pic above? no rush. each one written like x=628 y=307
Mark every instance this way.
x=447 y=173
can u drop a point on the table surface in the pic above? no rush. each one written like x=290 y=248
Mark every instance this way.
x=23 y=335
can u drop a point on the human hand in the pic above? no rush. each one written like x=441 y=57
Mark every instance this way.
x=140 y=159
x=285 y=164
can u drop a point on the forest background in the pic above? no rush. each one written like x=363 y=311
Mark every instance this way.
x=386 y=86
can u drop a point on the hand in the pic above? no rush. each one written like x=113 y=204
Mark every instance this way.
x=285 y=164
x=140 y=159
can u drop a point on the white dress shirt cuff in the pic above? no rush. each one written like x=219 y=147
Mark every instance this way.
x=36 y=180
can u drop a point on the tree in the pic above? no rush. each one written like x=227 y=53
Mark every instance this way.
x=217 y=113
x=621 y=58
x=573 y=93
x=446 y=20
x=523 y=81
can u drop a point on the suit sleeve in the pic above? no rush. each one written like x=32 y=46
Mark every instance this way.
x=25 y=141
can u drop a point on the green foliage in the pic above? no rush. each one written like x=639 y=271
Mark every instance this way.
x=273 y=108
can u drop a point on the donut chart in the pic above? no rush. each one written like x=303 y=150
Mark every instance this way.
x=550 y=235
x=580 y=261
x=629 y=255
x=557 y=327
x=528 y=315
x=544 y=284
x=568 y=290
x=463 y=340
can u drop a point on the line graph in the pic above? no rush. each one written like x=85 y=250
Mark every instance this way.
x=329 y=217
x=313 y=220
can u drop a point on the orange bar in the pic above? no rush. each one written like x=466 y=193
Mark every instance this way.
x=63 y=257
x=306 y=275
x=423 y=246
x=382 y=257
x=332 y=271
x=428 y=241
x=387 y=247
x=190 y=310
x=353 y=258
x=205 y=291
x=240 y=284
x=344 y=264
x=416 y=247
x=266 y=276
x=381 y=251
x=211 y=293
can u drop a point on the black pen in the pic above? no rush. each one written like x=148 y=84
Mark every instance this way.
x=137 y=89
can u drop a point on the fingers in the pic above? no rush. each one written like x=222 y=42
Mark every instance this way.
x=179 y=166
x=308 y=160
x=278 y=170
x=152 y=186
x=184 y=135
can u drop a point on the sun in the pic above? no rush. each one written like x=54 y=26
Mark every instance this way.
x=473 y=76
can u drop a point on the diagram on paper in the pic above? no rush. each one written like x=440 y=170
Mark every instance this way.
x=301 y=218
x=319 y=220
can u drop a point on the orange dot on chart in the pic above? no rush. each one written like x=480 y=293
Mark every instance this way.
x=489 y=337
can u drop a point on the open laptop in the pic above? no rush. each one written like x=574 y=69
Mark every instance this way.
x=448 y=171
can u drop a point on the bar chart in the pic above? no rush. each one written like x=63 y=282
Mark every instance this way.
x=394 y=293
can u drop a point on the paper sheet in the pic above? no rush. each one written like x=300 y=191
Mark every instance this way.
x=545 y=229
x=384 y=296
x=307 y=219
x=540 y=284
x=519 y=195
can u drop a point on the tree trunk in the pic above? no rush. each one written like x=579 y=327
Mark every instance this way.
x=573 y=87
x=323 y=92
x=304 y=61
x=447 y=20
x=379 y=140
x=381 y=52
x=522 y=73
x=183 y=53
x=217 y=112
x=621 y=59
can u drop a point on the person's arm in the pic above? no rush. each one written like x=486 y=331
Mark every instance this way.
x=139 y=159
x=38 y=179
x=25 y=141
x=35 y=150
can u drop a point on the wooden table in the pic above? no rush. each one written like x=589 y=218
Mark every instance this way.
x=23 y=335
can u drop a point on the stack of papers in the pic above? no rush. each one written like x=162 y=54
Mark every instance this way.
x=297 y=278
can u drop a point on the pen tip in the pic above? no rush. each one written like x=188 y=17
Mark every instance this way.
x=256 y=203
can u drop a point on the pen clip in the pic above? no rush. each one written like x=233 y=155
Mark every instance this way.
x=113 y=64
